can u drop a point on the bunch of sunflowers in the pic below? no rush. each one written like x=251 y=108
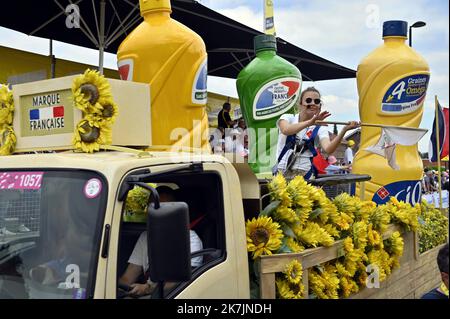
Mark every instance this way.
x=433 y=227
x=7 y=135
x=136 y=204
x=300 y=216
x=92 y=95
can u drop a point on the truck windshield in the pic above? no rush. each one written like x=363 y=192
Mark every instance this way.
x=50 y=232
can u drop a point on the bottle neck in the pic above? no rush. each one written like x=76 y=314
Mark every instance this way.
x=156 y=15
x=266 y=52
x=398 y=40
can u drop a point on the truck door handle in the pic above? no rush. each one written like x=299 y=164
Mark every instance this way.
x=105 y=246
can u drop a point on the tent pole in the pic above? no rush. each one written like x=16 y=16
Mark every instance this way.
x=52 y=61
x=101 y=48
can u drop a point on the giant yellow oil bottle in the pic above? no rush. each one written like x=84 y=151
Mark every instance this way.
x=392 y=83
x=172 y=59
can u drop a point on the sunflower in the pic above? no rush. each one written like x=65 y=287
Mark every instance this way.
x=348 y=286
x=90 y=133
x=374 y=237
x=279 y=192
x=6 y=106
x=360 y=234
x=293 y=272
x=7 y=140
x=263 y=236
x=380 y=258
x=313 y=234
x=299 y=192
x=286 y=214
x=90 y=92
x=136 y=204
x=109 y=111
x=380 y=218
x=287 y=290
x=324 y=284
x=394 y=244
x=404 y=213
x=293 y=245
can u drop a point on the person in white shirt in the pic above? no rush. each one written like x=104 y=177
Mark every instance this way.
x=348 y=155
x=299 y=161
x=216 y=140
x=138 y=262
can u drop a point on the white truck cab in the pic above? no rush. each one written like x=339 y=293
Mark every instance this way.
x=64 y=235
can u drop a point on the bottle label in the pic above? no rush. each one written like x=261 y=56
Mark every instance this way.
x=199 y=87
x=407 y=191
x=126 y=69
x=405 y=95
x=276 y=97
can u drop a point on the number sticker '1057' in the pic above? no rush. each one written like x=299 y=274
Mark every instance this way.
x=21 y=180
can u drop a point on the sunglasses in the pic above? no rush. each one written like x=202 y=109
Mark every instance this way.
x=309 y=100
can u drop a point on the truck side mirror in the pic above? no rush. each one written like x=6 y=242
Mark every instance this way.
x=168 y=241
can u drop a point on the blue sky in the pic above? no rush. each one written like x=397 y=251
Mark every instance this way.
x=341 y=31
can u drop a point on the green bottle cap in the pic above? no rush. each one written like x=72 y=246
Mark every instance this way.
x=265 y=42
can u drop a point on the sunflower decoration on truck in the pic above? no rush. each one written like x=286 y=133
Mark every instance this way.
x=92 y=95
x=7 y=135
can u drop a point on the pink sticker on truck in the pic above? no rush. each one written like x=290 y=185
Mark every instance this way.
x=21 y=180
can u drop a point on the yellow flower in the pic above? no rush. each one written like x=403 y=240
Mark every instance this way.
x=313 y=234
x=348 y=286
x=348 y=204
x=380 y=258
x=302 y=215
x=7 y=140
x=286 y=214
x=293 y=272
x=289 y=291
x=404 y=213
x=360 y=234
x=374 y=237
x=433 y=229
x=293 y=245
x=380 y=218
x=263 y=236
x=109 y=111
x=324 y=285
x=279 y=192
x=330 y=229
x=394 y=244
x=6 y=106
x=298 y=192
x=91 y=91
x=90 y=133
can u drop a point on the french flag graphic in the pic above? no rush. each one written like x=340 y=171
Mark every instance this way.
x=46 y=113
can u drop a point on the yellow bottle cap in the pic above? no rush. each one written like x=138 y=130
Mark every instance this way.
x=154 y=5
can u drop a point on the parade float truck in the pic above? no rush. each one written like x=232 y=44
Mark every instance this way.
x=80 y=149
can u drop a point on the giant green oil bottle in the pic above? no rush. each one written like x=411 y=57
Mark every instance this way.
x=268 y=87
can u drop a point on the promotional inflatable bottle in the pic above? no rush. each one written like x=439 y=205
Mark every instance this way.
x=172 y=59
x=267 y=87
x=392 y=84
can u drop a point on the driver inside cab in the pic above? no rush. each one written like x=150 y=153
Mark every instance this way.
x=138 y=262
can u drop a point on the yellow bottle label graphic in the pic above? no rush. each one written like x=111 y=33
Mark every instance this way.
x=199 y=91
x=405 y=95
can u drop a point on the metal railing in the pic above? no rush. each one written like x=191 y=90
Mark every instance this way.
x=333 y=185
